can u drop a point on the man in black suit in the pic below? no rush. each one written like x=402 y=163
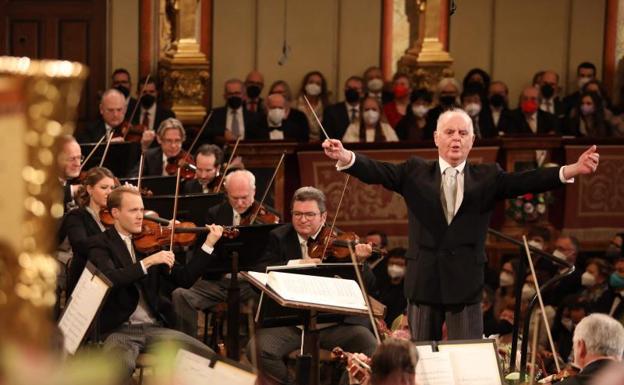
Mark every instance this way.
x=500 y=117
x=150 y=114
x=240 y=187
x=254 y=83
x=337 y=117
x=585 y=72
x=449 y=205
x=528 y=119
x=232 y=120
x=279 y=124
x=598 y=343
x=121 y=81
x=69 y=161
x=549 y=95
x=131 y=317
x=290 y=242
x=207 y=168
x=112 y=112
x=170 y=136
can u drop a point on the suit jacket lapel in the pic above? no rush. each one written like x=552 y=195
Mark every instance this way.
x=120 y=249
x=293 y=244
x=468 y=187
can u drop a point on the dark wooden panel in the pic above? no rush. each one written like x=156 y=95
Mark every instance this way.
x=73 y=44
x=25 y=38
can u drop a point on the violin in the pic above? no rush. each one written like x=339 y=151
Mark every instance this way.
x=358 y=369
x=337 y=245
x=185 y=162
x=106 y=218
x=154 y=236
x=130 y=132
x=568 y=371
x=262 y=216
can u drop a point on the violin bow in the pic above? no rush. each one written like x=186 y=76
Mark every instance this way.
x=541 y=303
x=190 y=150
x=331 y=229
x=266 y=190
x=228 y=165
x=175 y=210
x=108 y=142
x=140 y=172
x=136 y=106
x=92 y=151
x=358 y=275
x=316 y=116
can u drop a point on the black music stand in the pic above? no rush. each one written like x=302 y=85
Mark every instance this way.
x=122 y=157
x=241 y=253
x=191 y=207
x=159 y=185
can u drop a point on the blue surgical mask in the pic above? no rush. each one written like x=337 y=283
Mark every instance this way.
x=616 y=281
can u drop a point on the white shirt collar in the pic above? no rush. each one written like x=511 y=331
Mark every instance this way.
x=301 y=239
x=444 y=165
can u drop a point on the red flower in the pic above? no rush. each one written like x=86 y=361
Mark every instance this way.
x=528 y=196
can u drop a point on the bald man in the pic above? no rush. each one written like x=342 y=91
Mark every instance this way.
x=254 y=83
x=112 y=113
x=278 y=124
x=529 y=119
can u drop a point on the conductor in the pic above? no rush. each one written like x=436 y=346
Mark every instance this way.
x=449 y=203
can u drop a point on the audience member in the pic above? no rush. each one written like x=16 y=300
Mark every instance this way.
x=585 y=72
x=337 y=117
x=254 y=83
x=278 y=123
x=549 y=95
x=500 y=117
x=150 y=113
x=479 y=80
x=416 y=125
x=588 y=117
x=471 y=103
x=121 y=81
x=401 y=89
x=371 y=127
x=528 y=119
x=447 y=95
x=374 y=83
x=314 y=87
x=391 y=286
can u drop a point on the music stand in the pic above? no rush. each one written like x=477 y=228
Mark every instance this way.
x=243 y=251
x=121 y=157
x=191 y=207
x=159 y=185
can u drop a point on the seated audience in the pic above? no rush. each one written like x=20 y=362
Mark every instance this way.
x=314 y=87
x=498 y=101
x=150 y=113
x=612 y=302
x=595 y=280
x=121 y=81
x=374 y=83
x=297 y=117
x=391 y=285
x=401 y=89
x=447 y=95
x=588 y=117
x=549 y=95
x=278 y=123
x=337 y=117
x=528 y=119
x=254 y=83
x=416 y=125
x=585 y=72
x=479 y=80
x=371 y=127
x=471 y=103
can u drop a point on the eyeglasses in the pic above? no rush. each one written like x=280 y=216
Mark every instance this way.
x=172 y=141
x=75 y=159
x=307 y=215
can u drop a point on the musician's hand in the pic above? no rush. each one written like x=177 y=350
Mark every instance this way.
x=358 y=374
x=229 y=136
x=587 y=163
x=306 y=261
x=170 y=225
x=363 y=251
x=161 y=257
x=214 y=235
x=333 y=149
x=118 y=139
x=507 y=315
x=147 y=138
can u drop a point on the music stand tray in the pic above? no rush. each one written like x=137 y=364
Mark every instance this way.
x=191 y=207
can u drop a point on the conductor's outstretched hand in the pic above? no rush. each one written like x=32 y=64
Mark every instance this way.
x=587 y=163
x=333 y=149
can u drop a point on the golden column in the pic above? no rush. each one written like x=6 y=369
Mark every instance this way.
x=183 y=67
x=428 y=60
x=38 y=101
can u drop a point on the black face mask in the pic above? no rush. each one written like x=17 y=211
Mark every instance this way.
x=497 y=100
x=352 y=95
x=253 y=91
x=447 y=100
x=147 y=101
x=123 y=90
x=474 y=85
x=234 y=102
x=504 y=327
x=547 y=91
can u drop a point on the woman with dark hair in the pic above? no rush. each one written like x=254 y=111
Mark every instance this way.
x=478 y=79
x=415 y=125
x=83 y=222
x=371 y=126
x=588 y=117
x=313 y=87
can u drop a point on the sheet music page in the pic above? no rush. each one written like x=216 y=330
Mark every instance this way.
x=262 y=277
x=474 y=363
x=318 y=290
x=434 y=368
x=192 y=369
x=82 y=308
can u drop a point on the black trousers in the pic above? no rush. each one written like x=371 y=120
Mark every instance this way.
x=462 y=321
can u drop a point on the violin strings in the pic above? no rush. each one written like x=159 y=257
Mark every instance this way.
x=266 y=190
x=331 y=229
x=227 y=166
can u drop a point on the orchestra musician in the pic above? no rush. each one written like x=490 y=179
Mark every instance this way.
x=449 y=203
x=69 y=160
x=81 y=223
x=290 y=241
x=170 y=136
x=131 y=317
x=208 y=162
x=112 y=111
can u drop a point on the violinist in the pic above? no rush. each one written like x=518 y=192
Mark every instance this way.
x=393 y=363
x=150 y=114
x=131 y=317
x=290 y=241
x=240 y=187
x=83 y=222
x=68 y=160
x=170 y=136
x=112 y=112
x=207 y=166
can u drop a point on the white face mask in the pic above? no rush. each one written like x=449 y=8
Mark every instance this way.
x=371 y=117
x=528 y=291
x=582 y=81
x=506 y=279
x=536 y=244
x=472 y=109
x=559 y=254
x=588 y=279
x=276 y=116
x=420 y=110
x=313 y=89
x=396 y=271
x=375 y=85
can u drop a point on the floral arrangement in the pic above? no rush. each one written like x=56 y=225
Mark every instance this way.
x=528 y=207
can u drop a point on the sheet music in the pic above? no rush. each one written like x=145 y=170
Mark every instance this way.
x=82 y=308
x=434 y=368
x=318 y=290
x=262 y=277
x=474 y=363
x=192 y=369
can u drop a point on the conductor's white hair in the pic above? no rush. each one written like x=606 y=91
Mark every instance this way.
x=241 y=174
x=603 y=335
x=446 y=116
